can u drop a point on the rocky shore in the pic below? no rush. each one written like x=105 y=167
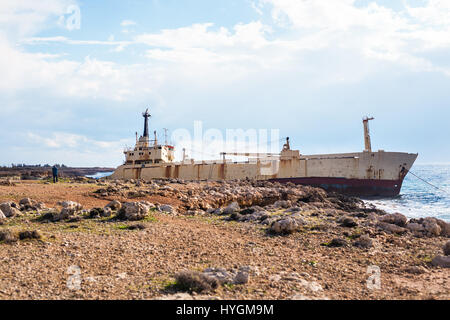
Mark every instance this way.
x=173 y=239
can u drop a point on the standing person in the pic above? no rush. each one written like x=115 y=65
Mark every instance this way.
x=55 y=174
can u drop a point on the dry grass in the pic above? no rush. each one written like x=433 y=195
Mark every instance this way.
x=194 y=281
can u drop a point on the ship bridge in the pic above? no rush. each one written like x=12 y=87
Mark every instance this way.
x=148 y=151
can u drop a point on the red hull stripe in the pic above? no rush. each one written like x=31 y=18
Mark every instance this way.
x=355 y=187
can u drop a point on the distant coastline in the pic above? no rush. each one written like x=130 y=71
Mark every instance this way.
x=36 y=173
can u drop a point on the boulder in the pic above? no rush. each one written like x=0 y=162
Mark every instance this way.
x=51 y=215
x=9 y=209
x=98 y=212
x=7 y=182
x=394 y=218
x=114 y=205
x=69 y=209
x=282 y=204
x=447 y=248
x=242 y=277
x=445 y=228
x=40 y=206
x=7 y=236
x=194 y=281
x=35 y=234
x=441 y=261
x=215 y=211
x=138 y=226
x=221 y=275
x=247 y=211
x=391 y=228
x=337 y=242
x=177 y=296
x=107 y=212
x=255 y=217
x=232 y=208
x=415 y=227
x=348 y=222
x=286 y=226
x=134 y=211
x=167 y=208
x=75 y=206
x=431 y=227
x=26 y=202
x=363 y=242
x=415 y=270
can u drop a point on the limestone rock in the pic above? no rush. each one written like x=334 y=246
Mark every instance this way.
x=286 y=226
x=114 y=205
x=178 y=296
x=75 y=206
x=9 y=209
x=26 y=202
x=445 y=228
x=348 y=222
x=35 y=234
x=431 y=227
x=391 y=228
x=447 y=249
x=441 y=261
x=242 y=277
x=7 y=236
x=364 y=242
x=415 y=270
x=107 y=212
x=220 y=274
x=394 y=218
x=337 y=242
x=232 y=208
x=70 y=208
x=282 y=204
x=134 y=211
x=167 y=208
x=415 y=227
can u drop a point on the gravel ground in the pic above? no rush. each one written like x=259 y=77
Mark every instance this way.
x=102 y=259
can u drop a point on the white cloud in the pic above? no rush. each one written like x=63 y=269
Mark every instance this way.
x=127 y=23
x=203 y=51
x=375 y=32
x=73 y=149
x=26 y=17
x=64 y=140
x=310 y=43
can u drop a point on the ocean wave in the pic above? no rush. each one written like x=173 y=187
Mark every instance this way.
x=419 y=199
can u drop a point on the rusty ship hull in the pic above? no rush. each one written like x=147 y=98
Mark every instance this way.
x=366 y=173
x=360 y=174
x=352 y=187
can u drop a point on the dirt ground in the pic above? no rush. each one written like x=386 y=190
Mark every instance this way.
x=108 y=261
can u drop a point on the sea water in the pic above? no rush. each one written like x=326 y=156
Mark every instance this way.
x=100 y=175
x=417 y=198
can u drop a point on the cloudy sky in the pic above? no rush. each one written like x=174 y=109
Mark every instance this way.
x=75 y=75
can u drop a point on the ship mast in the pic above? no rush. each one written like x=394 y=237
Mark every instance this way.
x=146 y=115
x=367 y=142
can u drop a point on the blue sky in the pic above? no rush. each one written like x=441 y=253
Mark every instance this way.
x=73 y=93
